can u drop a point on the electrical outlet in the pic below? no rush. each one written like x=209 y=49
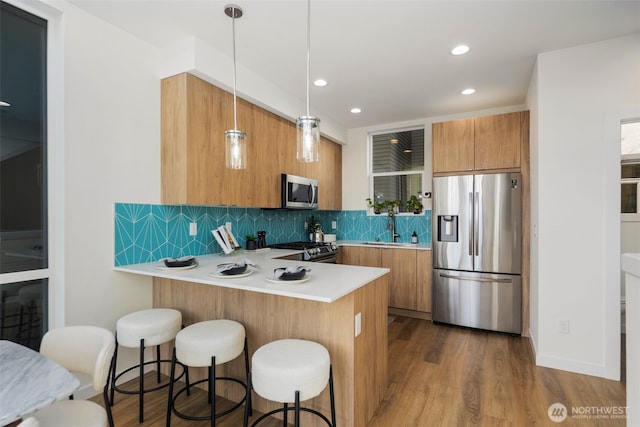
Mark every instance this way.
x=334 y=225
x=563 y=326
x=193 y=229
x=358 y=324
x=228 y=225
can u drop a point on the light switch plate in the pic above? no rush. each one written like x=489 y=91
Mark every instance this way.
x=193 y=229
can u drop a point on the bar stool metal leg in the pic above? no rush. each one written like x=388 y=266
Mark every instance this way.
x=170 y=399
x=296 y=421
x=141 y=383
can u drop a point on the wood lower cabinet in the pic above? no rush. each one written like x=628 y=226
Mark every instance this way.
x=195 y=115
x=481 y=143
x=424 y=280
x=410 y=278
x=359 y=255
x=402 y=283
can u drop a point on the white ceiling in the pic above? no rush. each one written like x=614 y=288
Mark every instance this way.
x=390 y=58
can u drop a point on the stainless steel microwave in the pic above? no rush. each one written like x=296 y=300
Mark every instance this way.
x=299 y=192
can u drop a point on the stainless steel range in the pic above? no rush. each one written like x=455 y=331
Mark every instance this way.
x=311 y=251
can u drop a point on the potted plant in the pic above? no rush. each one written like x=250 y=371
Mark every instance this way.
x=394 y=205
x=414 y=204
x=377 y=206
x=252 y=242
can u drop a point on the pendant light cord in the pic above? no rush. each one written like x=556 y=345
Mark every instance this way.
x=308 y=50
x=233 y=26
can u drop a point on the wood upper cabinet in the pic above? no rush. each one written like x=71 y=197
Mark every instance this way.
x=498 y=141
x=481 y=143
x=402 y=283
x=195 y=115
x=453 y=146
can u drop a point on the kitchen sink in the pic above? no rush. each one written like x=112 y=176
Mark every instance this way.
x=390 y=244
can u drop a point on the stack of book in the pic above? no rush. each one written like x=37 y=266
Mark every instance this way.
x=225 y=239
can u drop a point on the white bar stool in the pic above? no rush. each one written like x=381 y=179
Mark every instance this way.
x=292 y=370
x=208 y=344
x=140 y=329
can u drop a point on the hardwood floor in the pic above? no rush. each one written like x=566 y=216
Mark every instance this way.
x=447 y=376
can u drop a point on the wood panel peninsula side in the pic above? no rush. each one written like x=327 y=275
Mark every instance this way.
x=322 y=309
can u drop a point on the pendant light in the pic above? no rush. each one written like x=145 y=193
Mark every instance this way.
x=308 y=127
x=235 y=140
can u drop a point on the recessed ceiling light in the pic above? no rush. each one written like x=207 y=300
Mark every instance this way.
x=356 y=110
x=4 y=104
x=394 y=141
x=460 y=50
x=320 y=82
x=408 y=150
x=468 y=91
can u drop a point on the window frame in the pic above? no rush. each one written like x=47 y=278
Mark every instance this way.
x=372 y=175
x=632 y=217
x=55 y=89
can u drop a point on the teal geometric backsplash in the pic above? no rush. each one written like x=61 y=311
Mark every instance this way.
x=148 y=233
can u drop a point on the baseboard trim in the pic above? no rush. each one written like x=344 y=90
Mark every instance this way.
x=409 y=313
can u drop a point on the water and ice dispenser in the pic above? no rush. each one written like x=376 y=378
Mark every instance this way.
x=447 y=228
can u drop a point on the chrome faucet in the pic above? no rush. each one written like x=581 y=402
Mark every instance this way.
x=391 y=225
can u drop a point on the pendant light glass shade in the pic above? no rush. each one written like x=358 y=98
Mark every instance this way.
x=235 y=144
x=308 y=127
x=308 y=139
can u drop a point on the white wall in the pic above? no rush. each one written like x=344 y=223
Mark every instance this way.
x=112 y=154
x=534 y=308
x=581 y=94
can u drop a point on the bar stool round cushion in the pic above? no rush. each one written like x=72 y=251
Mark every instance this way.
x=280 y=368
x=72 y=413
x=197 y=343
x=156 y=326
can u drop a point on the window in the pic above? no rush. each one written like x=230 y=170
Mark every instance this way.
x=24 y=259
x=397 y=166
x=630 y=171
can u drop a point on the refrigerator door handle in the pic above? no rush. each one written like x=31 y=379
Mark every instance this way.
x=474 y=279
x=476 y=219
x=470 y=225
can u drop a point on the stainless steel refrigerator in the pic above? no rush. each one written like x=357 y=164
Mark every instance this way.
x=477 y=234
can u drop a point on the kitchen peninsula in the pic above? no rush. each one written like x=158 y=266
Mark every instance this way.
x=321 y=309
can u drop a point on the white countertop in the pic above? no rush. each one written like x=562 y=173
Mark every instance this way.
x=327 y=282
